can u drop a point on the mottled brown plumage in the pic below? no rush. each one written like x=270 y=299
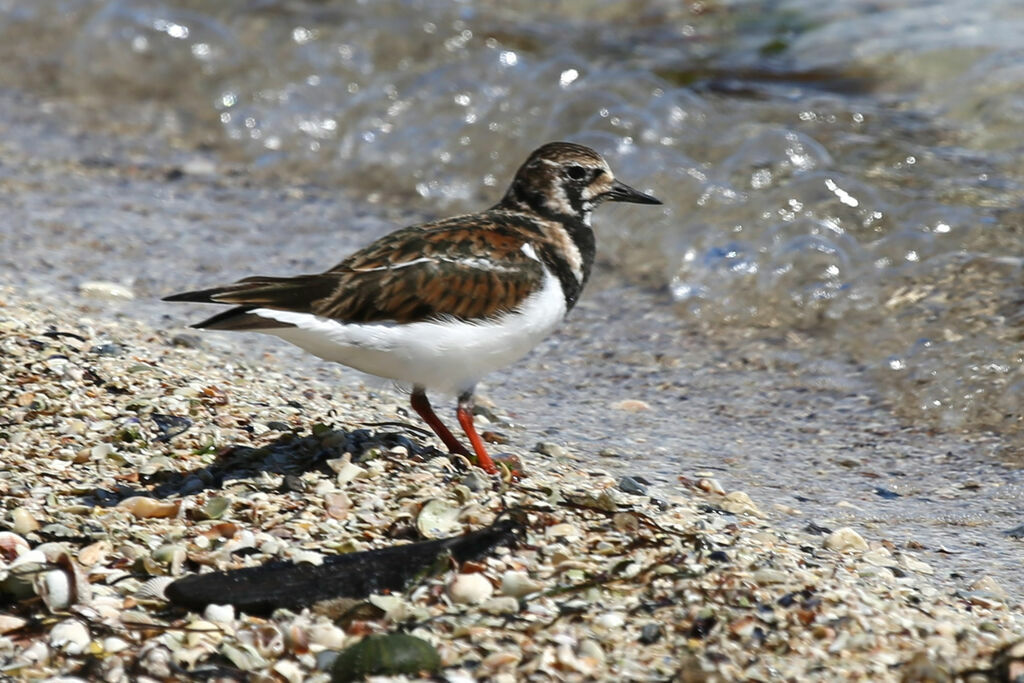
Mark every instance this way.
x=455 y=267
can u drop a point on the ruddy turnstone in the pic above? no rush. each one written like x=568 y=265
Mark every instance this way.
x=439 y=305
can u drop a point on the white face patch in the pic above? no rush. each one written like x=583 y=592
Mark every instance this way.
x=602 y=184
x=558 y=202
x=530 y=252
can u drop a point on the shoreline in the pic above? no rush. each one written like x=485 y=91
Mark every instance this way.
x=699 y=584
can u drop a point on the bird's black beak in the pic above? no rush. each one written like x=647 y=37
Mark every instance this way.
x=621 y=192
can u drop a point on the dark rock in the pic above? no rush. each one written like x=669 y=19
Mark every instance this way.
x=189 y=341
x=650 y=633
x=388 y=655
x=633 y=486
x=170 y=426
x=1015 y=532
x=107 y=350
x=813 y=528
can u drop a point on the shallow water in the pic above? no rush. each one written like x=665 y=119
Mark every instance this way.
x=841 y=236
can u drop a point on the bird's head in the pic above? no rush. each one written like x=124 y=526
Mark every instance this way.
x=564 y=180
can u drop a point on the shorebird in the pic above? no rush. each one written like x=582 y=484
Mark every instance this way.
x=437 y=306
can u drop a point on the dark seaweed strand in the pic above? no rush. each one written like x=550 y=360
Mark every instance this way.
x=261 y=590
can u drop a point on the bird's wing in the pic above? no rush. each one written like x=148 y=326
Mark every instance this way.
x=456 y=269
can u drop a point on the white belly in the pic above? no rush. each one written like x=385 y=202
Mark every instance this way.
x=449 y=356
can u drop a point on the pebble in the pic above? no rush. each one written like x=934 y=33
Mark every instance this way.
x=768 y=576
x=990 y=586
x=552 y=449
x=437 y=519
x=562 y=530
x=23 y=522
x=632 y=486
x=499 y=660
x=347 y=473
x=650 y=633
x=476 y=481
x=502 y=604
x=740 y=503
x=110 y=349
x=97 y=289
x=631 y=406
x=200 y=166
x=743 y=627
x=916 y=565
x=982 y=599
x=845 y=539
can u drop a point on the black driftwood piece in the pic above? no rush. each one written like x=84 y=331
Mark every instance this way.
x=261 y=590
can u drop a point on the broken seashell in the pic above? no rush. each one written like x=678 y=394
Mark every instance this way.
x=845 y=539
x=71 y=636
x=437 y=519
x=469 y=589
x=144 y=507
x=519 y=584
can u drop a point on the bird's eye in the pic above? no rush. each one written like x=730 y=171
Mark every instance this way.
x=577 y=172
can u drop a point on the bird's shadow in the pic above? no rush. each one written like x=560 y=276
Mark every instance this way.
x=291 y=455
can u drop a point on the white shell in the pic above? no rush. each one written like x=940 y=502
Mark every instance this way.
x=113 y=645
x=54 y=587
x=610 y=620
x=154 y=588
x=519 y=584
x=845 y=539
x=219 y=614
x=11 y=546
x=469 y=589
x=327 y=636
x=71 y=636
x=9 y=622
x=437 y=519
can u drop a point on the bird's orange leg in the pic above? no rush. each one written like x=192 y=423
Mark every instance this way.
x=465 y=415
x=422 y=406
